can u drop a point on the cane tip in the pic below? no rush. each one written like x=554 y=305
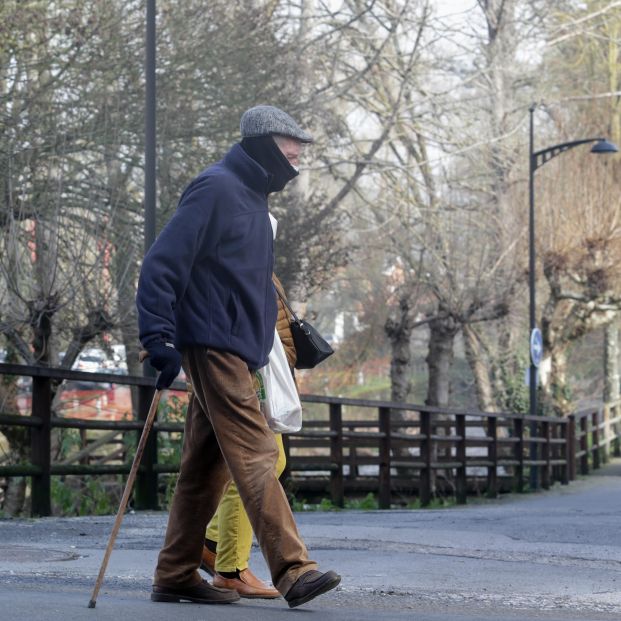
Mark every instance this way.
x=92 y=603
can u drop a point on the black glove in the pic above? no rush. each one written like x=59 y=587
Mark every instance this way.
x=167 y=360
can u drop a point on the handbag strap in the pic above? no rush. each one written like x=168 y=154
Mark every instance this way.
x=284 y=301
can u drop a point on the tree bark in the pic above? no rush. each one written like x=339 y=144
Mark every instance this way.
x=557 y=389
x=482 y=381
x=14 y=497
x=440 y=360
x=399 y=331
x=17 y=439
x=398 y=328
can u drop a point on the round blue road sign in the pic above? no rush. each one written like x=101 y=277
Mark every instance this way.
x=536 y=347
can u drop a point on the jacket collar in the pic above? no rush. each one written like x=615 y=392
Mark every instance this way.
x=250 y=172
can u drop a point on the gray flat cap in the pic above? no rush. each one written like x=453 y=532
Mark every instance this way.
x=268 y=120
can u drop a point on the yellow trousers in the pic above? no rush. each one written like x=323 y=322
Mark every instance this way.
x=230 y=526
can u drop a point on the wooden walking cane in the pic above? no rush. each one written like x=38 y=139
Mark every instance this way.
x=128 y=489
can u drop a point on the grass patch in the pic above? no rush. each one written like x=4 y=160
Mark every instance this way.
x=368 y=503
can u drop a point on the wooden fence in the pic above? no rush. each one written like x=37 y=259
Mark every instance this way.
x=393 y=449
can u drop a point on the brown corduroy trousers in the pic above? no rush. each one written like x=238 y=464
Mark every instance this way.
x=226 y=435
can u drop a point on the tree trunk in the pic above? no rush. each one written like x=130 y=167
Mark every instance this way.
x=556 y=389
x=482 y=381
x=17 y=438
x=42 y=311
x=14 y=497
x=506 y=367
x=400 y=335
x=398 y=328
x=440 y=360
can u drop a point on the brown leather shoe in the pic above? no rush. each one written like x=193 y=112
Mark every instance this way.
x=208 y=562
x=202 y=593
x=310 y=585
x=247 y=585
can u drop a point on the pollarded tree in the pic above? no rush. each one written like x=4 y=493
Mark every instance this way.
x=580 y=248
x=54 y=219
x=449 y=194
x=57 y=216
x=71 y=96
x=579 y=230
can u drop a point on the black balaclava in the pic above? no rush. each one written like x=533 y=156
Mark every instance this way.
x=265 y=151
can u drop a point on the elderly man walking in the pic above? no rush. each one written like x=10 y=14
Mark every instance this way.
x=206 y=300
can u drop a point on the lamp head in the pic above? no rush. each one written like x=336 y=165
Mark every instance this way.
x=604 y=146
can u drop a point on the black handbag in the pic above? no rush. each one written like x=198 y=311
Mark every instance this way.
x=310 y=347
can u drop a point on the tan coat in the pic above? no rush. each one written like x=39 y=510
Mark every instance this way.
x=282 y=325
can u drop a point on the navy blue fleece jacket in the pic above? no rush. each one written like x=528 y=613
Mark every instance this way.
x=207 y=279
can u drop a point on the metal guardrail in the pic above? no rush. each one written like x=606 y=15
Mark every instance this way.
x=406 y=445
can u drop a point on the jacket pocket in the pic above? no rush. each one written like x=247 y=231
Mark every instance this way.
x=234 y=312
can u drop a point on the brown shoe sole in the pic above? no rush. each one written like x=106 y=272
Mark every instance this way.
x=245 y=589
x=173 y=597
x=324 y=588
x=248 y=596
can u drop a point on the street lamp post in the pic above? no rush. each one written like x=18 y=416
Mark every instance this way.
x=149 y=129
x=536 y=160
x=145 y=492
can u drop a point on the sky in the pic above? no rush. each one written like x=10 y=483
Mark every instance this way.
x=448 y=7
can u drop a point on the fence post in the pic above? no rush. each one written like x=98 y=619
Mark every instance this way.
x=384 y=459
x=605 y=410
x=83 y=445
x=461 y=489
x=145 y=491
x=518 y=431
x=546 y=455
x=352 y=460
x=571 y=447
x=616 y=430
x=40 y=446
x=492 y=455
x=560 y=452
x=555 y=470
x=337 y=492
x=425 y=453
x=566 y=452
x=534 y=477
x=595 y=422
x=584 y=446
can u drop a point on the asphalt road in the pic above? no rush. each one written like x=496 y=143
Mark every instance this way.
x=553 y=556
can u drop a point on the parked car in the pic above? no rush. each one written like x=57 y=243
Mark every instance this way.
x=91 y=360
x=117 y=364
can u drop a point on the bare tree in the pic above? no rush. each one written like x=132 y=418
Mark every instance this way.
x=579 y=241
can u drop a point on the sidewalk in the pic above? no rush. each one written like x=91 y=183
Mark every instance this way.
x=553 y=555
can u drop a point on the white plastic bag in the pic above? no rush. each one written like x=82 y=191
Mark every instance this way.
x=278 y=394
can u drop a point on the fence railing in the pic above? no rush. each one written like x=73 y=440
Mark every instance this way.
x=392 y=449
